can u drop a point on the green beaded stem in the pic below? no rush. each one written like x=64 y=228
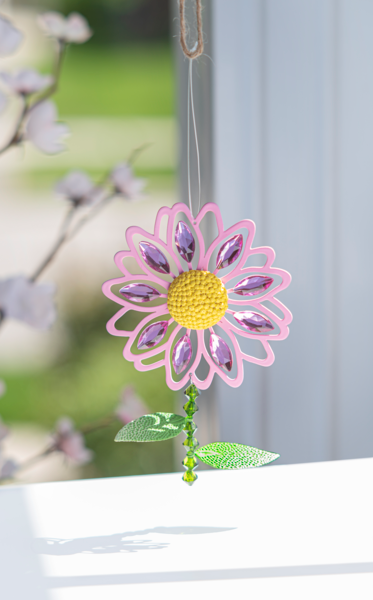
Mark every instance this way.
x=190 y=461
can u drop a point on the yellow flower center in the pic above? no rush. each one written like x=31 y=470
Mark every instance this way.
x=197 y=299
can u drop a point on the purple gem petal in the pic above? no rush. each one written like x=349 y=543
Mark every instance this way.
x=139 y=292
x=253 y=285
x=182 y=354
x=154 y=258
x=152 y=335
x=253 y=321
x=230 y=251
x=220 y=352
x=184 y=241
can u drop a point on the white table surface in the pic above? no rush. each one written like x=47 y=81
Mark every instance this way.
x=296 y=532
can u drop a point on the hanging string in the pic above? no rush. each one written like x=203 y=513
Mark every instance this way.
x=191 y=105
x=196 y=51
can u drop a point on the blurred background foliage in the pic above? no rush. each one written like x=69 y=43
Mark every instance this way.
x=135 y=79
x=117 y=21
x=126 y=67
x=125 y=72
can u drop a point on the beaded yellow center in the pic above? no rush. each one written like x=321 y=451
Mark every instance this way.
x=197 y=299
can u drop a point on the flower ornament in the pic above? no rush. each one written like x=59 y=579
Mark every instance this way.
x=79 y=188
x=29 y=302
x=26 y=81
x=10 y=37
x=199 y=305
x=72 y=29
x=126 y=183
x=42 y=129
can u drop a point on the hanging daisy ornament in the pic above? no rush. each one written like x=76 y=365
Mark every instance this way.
x=204 y=309
x=199 y=304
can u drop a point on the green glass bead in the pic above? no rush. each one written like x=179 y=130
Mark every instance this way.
x=190 y=408
x=191 y=442
x=189 y=477
x=192 y=392
x=190 y=426
x=190 y=463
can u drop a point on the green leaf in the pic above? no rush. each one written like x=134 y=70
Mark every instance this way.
x=223 y=455
x=152 y=428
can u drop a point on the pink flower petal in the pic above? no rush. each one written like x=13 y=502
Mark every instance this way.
x=71 y=29
x=77 y=29
x=43 y=131
x=29 y=302
x=26 y=81
x=53 y=24
x=71 y=442
x=131 y=406
x=126 y=183
x=64 y=426
x=78 y=187
x=10 y=37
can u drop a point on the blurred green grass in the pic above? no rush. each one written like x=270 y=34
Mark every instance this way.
x=131 y=80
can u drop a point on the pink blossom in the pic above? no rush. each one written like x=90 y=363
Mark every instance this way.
x=29 y=302
x=126 y=183
x=26 y=81
x=78 y=187
x=42 y=129
x=8 y=468
x=130 y=406
x=71 y=442
x=10 y=37
x=72 y=29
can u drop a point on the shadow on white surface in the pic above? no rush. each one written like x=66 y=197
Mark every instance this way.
x=111 y=544
x=209 y=575
x=276 y=549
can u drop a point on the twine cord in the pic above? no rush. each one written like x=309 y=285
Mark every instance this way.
x=198 y=49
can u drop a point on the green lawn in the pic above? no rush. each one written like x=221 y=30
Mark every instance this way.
x=132 y=80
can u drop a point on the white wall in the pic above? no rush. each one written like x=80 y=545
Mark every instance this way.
x=293 y=150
